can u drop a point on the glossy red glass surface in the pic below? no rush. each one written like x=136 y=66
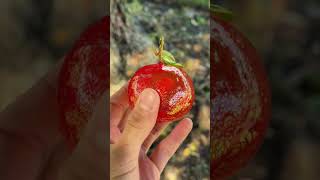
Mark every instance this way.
x=173 y=85
x=240 y=100
x=84 y=77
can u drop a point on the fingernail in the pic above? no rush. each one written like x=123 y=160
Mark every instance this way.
x=147 y=99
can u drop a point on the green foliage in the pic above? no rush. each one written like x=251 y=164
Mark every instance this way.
x=199 y=3
x=134 y=7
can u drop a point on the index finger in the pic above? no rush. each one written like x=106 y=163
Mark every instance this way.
x=118 y=105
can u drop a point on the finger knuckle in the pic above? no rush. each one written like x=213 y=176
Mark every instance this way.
x=138 y=116
x=165 y=149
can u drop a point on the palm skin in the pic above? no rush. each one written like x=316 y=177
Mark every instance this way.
x=132 y=134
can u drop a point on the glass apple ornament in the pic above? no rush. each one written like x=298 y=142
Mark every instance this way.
x=83 y=78
x=240 y=99
x=172 y=83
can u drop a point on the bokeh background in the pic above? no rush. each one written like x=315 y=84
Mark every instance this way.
x=135 y=29
x=286 y=33
x=35 y=34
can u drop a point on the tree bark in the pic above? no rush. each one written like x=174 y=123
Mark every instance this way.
x=125 y=36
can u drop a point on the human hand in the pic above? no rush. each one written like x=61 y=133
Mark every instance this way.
x=134 y=131
x=30 y=141
x=31 y=144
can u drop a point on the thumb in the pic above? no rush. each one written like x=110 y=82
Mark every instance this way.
x=141 y=119
x=90 y=158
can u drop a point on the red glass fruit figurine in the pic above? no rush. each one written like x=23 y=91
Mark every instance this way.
x=84 y=77
x=172 y=83
x=240 y=99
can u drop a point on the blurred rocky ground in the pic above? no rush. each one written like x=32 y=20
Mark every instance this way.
x=185 y=27
x=286 y=32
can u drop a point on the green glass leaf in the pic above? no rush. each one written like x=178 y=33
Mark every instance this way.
x=177 y=65
x=167 y=57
